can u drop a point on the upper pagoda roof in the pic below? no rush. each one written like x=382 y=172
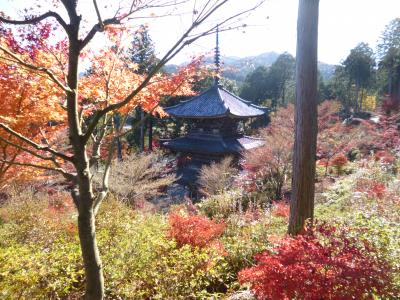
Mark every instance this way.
x=215 y=102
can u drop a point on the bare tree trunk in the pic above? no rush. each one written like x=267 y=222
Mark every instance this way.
x=357 y=97
x=142 y=131
x=150 y=133
x=303 y=181
x=90 y=254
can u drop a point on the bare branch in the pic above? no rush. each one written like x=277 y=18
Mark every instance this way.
x=35 y=145
x=97 y=28
x=67 y=175
x=98 y=14
x=36 y=68
x=26 y=150
x=38 y=19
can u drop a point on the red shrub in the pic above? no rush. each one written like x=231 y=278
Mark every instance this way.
x=323 y=263
x=385 y=157
x=339 y=160
x=281 y=209
x=197 y=231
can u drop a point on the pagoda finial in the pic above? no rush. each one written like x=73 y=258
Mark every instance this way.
x=217 y=59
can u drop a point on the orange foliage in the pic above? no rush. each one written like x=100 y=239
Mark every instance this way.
x=197 y=231
x=30 y=102
x=33 y=103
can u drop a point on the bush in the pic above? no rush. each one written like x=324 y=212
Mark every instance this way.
x=139 y=177
x=322 y=263
x=217 y=177
x=222 y=206
x=338 y=162
x=194 y=230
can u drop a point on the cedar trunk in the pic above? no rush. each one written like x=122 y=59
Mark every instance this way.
x=303 y=180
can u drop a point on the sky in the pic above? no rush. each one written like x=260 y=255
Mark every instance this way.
x=272 y=27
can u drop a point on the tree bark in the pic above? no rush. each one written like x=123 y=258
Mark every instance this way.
x=90 y=254
x=84 y=197
x=142 y=131
x=303 y=180
x=150 y=133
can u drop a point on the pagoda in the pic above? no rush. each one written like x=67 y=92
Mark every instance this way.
x=216 y=127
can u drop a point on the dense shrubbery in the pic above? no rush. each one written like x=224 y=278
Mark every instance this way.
x=321 y=263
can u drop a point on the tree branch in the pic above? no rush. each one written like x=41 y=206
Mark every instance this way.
x=26 y=150
x=35 y=145
x=38 y=19
x=59 y=170
x=36 y=68
x=97 y=28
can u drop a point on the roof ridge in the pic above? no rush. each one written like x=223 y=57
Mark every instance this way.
x=222 y=99
x=237 y=97
x=189 y=100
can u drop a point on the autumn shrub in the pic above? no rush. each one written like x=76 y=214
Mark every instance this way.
x=43 y=260
x=39 y=251
x=223 y=205
x=338 y=162
x=194 y=230
x=322 y=263
x=217 y=177
x=139 y=176
x=281 y=209
x=268 y=167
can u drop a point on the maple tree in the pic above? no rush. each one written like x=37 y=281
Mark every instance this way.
x=89 y=103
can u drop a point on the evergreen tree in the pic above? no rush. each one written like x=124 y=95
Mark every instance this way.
x=389 y=59
x=359 y=66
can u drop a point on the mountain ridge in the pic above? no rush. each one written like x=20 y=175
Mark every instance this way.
x=236 y=68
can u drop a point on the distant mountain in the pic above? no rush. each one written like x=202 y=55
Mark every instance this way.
x=326 y=70
x=237 y=68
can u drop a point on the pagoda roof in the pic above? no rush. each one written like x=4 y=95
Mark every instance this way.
x=216 y=102
x=217 y=145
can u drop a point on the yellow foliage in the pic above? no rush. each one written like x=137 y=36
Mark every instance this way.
x=369 y=102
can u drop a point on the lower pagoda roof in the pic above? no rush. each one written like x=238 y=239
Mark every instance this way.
x=216 y=102
x=218 y=145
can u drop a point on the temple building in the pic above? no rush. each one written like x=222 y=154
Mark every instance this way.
x=215 y=121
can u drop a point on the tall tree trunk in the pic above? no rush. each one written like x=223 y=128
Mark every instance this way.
x=357 y=96
x=117 y=123
x=303 y=181
x=142 y=131
x=90 y=253
x=150 y=126
x=83 y=193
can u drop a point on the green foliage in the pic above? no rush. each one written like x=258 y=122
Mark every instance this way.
x=271 y=83
x=221 y=206
x=140 y=260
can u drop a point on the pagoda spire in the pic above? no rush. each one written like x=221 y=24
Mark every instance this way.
x=217 y=59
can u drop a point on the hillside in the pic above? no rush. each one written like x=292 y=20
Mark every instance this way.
x=237 y=68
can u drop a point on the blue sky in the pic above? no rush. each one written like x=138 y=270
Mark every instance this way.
x=343 y=24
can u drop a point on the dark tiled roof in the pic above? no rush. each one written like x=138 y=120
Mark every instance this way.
x=215 y=102
x=218 y=145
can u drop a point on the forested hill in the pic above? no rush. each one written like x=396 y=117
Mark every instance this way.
x=237 y=68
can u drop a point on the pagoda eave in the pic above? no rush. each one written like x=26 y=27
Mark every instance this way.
x=223 y=146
